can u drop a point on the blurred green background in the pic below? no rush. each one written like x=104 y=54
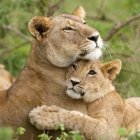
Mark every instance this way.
x=15 y=40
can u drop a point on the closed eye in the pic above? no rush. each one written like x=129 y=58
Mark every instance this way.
x=74 y=66
x=69 y=29
x=92 y=73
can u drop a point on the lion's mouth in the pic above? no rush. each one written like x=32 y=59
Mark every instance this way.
x=91 y=51
x=93 y=54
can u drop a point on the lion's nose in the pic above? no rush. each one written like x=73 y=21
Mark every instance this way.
x=74 y=82
x=94 y=38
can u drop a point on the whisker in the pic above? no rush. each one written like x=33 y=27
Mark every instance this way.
x=75 y=56
x=107 y=49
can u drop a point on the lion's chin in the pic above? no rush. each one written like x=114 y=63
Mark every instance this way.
x=95 y=54
x=74 y=95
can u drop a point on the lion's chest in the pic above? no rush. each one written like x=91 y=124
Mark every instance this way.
x=56 y=95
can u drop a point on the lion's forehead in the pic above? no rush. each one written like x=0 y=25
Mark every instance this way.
x=71 y=17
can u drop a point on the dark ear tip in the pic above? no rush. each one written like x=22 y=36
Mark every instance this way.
x=39 y=26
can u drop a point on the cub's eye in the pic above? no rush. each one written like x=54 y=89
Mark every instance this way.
x=74 y=66
x=92 y=73
x=68 y=29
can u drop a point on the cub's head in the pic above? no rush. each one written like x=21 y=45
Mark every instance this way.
x=91 y=80
x=66 y=38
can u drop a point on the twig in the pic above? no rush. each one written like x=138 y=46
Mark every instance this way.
x=120 y=25
x=129 y=71
x=12 y=49
x=100 y=8
x=121 y=54
x=53 y=7
x=100 y=18
x=17 y=32
x=99 y=13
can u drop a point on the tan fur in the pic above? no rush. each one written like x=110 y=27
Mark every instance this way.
x=107 y=111
x=6 y=79
x=42 y=81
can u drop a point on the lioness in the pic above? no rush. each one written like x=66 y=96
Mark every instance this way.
x=6 y=79
x=91 y=82
x=60 y=41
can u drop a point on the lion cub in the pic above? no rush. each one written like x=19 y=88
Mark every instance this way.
x=91 y=81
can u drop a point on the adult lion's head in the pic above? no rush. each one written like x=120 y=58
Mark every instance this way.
x=66 y=38
x=91 y=80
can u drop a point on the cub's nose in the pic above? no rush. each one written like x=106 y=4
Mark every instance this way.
x=74 y=82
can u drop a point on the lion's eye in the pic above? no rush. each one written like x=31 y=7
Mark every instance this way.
x=92 y=73
x=74 y=66
x=68 y=29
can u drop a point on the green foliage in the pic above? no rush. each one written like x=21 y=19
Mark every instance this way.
x=44 y=136
x=125 y=133
x=6 y=133
x=20 y=131
x=75 y=135
x=63 y=135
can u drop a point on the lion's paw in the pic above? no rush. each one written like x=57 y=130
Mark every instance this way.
x=45 y=117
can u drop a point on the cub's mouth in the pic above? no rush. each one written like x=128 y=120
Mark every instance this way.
x=71 y=92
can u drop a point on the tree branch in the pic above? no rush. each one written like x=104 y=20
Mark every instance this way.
x=118 y=26
x=6 y=51
x=129 y=71
x=101 y=17
x=100 y=8
x=53 y=7
x=17 y=32
x=121 y=54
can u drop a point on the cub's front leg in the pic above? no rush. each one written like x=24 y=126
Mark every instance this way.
x=48 y=118
x=45 y=117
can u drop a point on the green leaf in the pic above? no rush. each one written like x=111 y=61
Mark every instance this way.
x=20 y=131
x=44 y=136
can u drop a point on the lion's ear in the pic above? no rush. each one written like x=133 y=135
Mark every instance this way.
x=112 y=68
x=39 y=26
x=80 y=12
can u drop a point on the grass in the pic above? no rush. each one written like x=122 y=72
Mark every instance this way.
x=7 y=133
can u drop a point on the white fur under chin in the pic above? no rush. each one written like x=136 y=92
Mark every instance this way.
x=95 y=54
x=73 y=94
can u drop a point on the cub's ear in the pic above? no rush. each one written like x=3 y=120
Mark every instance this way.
x=80 y=12
x=39 y=27
x=112 y=68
